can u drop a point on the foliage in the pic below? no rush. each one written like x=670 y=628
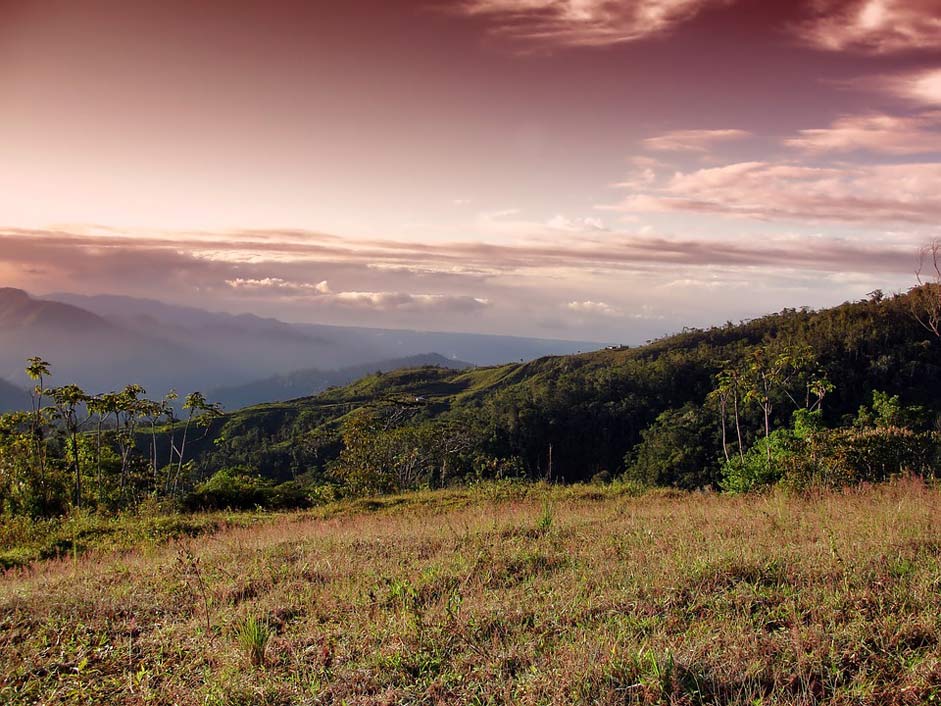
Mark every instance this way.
x=847 y=456
x=230 y=489
x=676 y=450
x=74 y=450
x=567 y=418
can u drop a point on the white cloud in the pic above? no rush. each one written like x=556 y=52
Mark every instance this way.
x=403 y=301
x=279 y=285
x=560 y=222
x=593 y=308
x=377 y=301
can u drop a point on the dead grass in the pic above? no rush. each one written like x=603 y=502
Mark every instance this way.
x=475 y=597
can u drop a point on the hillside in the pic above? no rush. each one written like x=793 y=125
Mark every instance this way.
x=493 y=595
x=595 y=408
x=303 y=383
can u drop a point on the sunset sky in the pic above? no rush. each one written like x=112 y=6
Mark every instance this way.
x=556 y=168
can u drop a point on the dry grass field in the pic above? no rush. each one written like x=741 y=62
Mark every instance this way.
x=501 y=594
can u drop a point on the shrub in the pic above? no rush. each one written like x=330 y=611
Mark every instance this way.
x=839 y=457
x=292 y=495
x=763 y=465
x=230 y=489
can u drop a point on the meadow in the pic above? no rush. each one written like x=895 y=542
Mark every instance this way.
x=500 y=593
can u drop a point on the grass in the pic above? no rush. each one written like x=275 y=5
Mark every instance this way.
x=253 y=637
x=24 y=541
x=501 y=594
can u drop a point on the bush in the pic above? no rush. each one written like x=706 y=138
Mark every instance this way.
x=839 y=457
x=292 y=495
x=763 y=465
x=230 y=489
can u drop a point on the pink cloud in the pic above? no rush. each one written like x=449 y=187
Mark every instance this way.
x=919 y=86
x=874 y=26
x=584 y=22
x=453 y=267
x=888 y=134
x=692 y=140
x=897 y=193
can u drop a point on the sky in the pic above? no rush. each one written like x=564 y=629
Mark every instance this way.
x=578 y=169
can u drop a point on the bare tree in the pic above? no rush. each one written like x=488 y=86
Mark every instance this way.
x=925 y=300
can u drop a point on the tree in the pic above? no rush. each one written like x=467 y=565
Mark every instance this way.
x=729 y=388
x=925 y=300
x=38 y=370
x=770 y=372
x=200 y=411
x=69 y=401
x=676 y=450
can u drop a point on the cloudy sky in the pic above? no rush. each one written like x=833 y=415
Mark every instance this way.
x=558 y=168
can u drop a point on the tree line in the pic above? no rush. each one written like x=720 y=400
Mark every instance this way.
x=73 y=449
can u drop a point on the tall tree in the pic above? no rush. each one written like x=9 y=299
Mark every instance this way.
x=70 y=401
x=38 y=370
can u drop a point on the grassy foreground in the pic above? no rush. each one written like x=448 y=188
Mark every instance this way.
x=522 y=595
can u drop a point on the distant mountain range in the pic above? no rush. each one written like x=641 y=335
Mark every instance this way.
x=304 y=383
x=104 y=342
x=12 y=397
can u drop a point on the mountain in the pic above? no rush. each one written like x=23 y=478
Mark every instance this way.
x=104 y=342
x=253 y=347
x=596 y=411
x=12 y=398
x=304 y=383
x=20 y=312
x=86 y=348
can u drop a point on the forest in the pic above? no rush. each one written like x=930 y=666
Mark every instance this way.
x=799 y=398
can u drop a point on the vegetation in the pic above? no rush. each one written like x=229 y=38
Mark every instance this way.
x=502 y=593
x=704 y=408
x=803 y=398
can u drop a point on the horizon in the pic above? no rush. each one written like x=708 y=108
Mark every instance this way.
x=573 y=170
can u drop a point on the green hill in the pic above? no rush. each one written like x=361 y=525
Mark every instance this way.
x=571 y=417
